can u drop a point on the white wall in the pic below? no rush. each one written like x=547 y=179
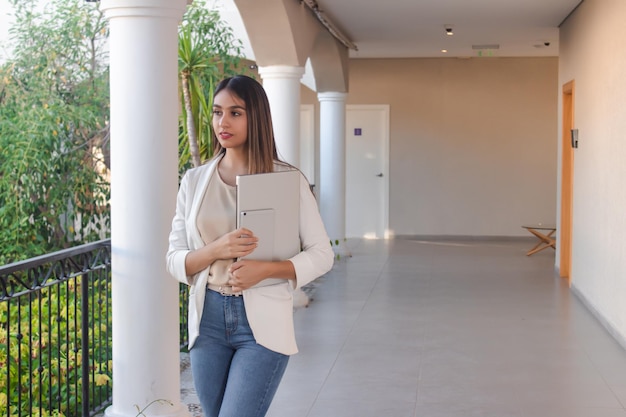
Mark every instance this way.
x=592 y=54
x=473 y=142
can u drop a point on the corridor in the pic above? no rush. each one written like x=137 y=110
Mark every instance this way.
x=410 y=328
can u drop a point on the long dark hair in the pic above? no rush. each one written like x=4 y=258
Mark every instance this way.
x=260 y=143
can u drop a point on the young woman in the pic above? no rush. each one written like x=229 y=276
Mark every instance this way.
x=240 y=331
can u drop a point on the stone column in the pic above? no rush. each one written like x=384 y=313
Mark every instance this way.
x=332 y=190
x=144 y=159
x=282 y=85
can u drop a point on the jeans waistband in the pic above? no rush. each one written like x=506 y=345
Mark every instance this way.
x=225 y=290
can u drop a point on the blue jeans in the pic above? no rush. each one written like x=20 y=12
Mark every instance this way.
x=233 y=375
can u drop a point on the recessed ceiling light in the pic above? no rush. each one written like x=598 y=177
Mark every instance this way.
x=449 y=30
x=444 y=51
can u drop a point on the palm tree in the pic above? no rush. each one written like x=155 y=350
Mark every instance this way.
x=207 y=52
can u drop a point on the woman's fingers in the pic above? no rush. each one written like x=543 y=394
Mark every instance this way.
x=244 y=236
x=245 y=242
x=246 y=249
x=235 y=244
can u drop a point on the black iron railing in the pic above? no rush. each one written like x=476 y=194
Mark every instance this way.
x=55 y=333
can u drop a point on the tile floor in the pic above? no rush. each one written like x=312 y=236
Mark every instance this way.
x=410 y=328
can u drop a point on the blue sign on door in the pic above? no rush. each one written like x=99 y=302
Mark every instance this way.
x=357 y=131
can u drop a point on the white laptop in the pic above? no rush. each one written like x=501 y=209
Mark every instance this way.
x=269 y=205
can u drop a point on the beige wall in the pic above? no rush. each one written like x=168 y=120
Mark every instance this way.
x=592 y=54
x=473 y=142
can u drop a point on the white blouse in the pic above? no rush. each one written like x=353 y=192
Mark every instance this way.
x=269 y=308
x=217 y=217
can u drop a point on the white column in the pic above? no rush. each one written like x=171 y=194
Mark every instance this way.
x=282 y=85
x=144 y=159
x=333 y=164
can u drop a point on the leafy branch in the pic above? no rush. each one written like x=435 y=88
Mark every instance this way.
x=140 y=411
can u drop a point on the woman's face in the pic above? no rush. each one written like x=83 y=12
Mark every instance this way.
x=230 y=120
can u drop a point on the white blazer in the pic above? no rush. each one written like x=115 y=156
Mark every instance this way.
x=269 y=308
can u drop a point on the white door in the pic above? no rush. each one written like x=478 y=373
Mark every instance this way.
x=367 y=171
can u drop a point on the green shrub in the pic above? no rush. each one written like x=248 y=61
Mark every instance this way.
x=40 y=348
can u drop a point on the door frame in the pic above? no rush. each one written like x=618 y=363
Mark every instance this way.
x=567 y=182
x=385 y=232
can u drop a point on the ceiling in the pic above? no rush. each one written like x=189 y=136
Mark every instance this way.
x=417 y=28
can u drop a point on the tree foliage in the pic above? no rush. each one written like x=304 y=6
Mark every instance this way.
x=54 y=129
x=207 y=52
x=54 y=102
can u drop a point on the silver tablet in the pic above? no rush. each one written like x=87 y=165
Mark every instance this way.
x=279 y=192
x=261 y=224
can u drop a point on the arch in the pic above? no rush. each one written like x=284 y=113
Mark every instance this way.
x=281 y=32
x=329 y=61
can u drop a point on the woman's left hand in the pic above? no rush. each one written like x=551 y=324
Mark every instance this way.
x=247 y=273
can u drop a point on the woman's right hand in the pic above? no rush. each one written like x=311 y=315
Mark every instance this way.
x=232 y=245
x=236 y=244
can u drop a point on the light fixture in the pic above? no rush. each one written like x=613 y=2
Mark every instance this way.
x=449 y=30
x=445 y=51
